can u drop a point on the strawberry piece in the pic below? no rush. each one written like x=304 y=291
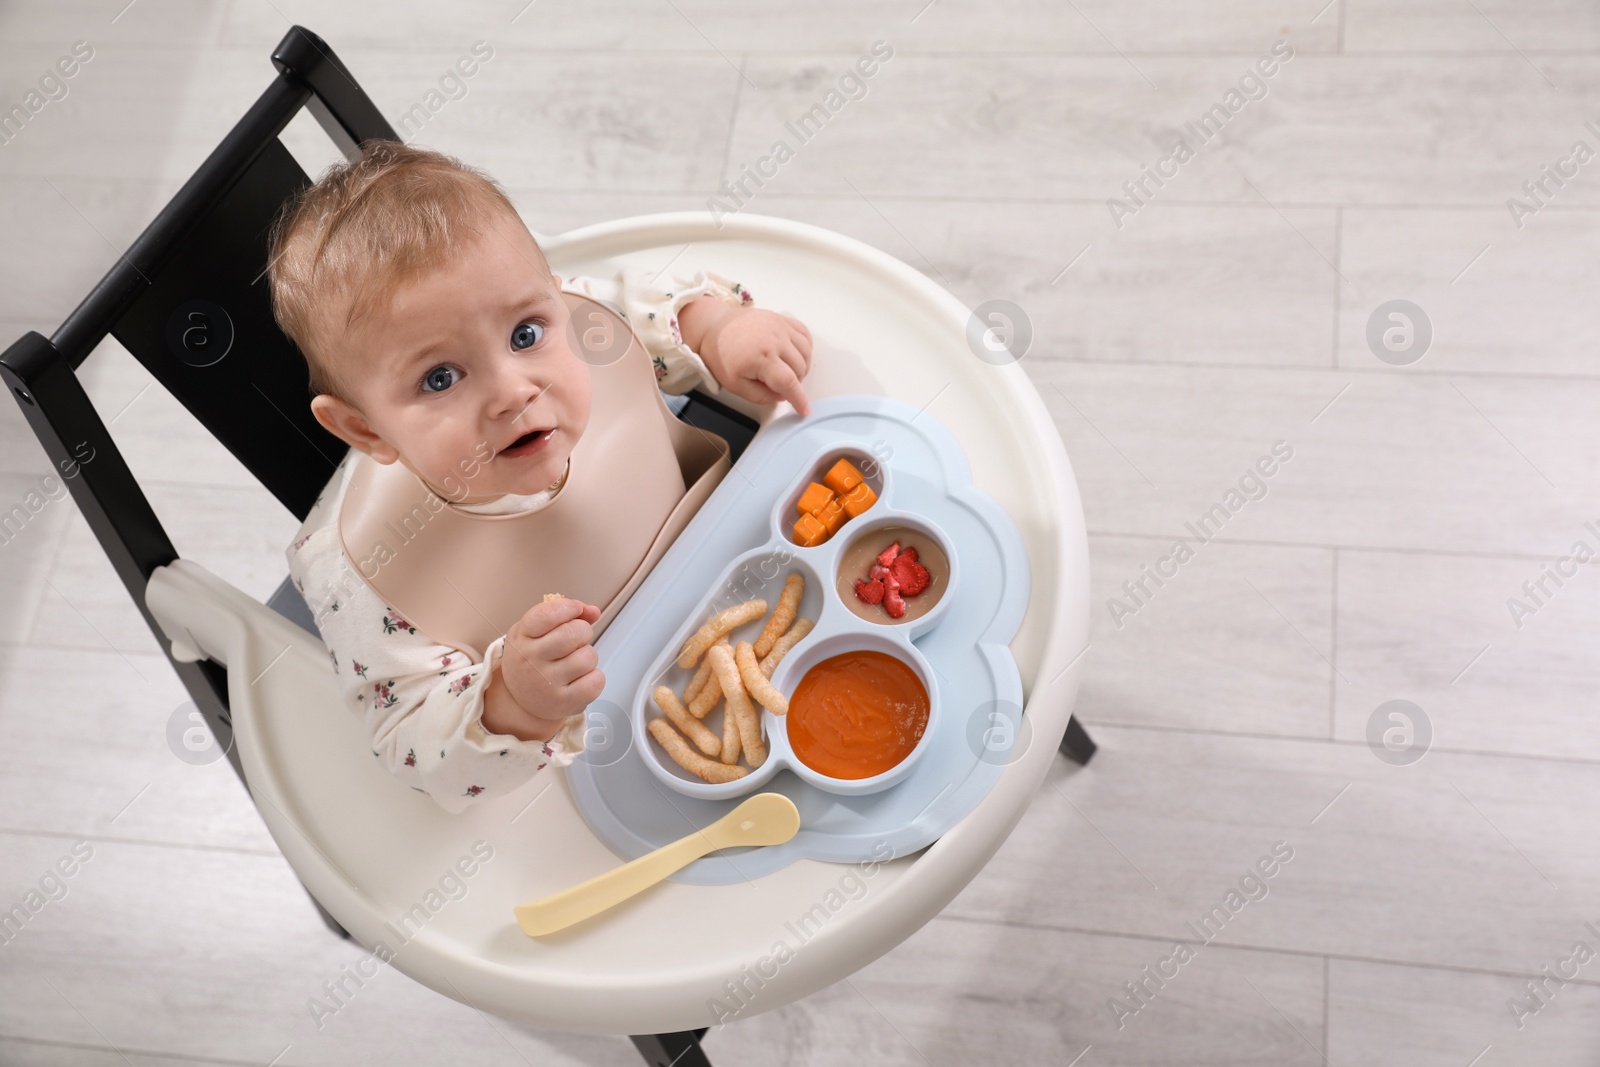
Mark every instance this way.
x=878 y=573
x=892 y=603
x=870 y=592
x=911 y=576
x=886 y=557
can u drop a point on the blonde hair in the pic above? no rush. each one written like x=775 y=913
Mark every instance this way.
x=362 y=229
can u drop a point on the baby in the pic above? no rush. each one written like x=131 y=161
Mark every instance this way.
x=437 y=337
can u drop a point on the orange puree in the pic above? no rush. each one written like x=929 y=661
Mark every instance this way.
x=856 y=714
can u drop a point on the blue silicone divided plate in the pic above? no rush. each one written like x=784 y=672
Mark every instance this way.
x=738 y=546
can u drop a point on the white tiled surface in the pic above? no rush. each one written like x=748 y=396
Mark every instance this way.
x=1226 y=315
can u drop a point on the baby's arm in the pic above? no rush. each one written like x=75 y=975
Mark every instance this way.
x=704 y=332
x=756 y=354
x=422 y=702
x=549 y=669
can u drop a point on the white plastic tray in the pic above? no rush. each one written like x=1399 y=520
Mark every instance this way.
x=636 y=799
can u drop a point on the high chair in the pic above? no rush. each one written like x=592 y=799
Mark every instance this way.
x=189 y=301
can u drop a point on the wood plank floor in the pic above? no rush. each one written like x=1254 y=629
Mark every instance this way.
x=1229 y=312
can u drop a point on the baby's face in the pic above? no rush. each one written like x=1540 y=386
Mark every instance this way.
x=469 y=377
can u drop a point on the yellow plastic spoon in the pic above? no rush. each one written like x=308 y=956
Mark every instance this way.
x=764 y=819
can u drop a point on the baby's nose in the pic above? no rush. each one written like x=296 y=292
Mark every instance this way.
x=516 y=393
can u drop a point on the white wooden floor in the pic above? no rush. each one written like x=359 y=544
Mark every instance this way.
x=1228 y=313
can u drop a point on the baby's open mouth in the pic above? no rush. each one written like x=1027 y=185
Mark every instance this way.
x=528 y=442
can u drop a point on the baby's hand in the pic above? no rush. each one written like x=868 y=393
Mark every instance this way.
x=548 y=671
x=756 y=354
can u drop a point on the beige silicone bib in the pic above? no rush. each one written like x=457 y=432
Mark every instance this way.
x=637 y=475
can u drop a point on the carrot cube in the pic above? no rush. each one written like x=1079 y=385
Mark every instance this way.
x=808 y=531
x=859 y=499
x=814 y=499
x=842 y=477
x=832 y=516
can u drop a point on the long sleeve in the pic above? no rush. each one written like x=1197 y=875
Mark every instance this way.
x=421 y=702
x=651 y=305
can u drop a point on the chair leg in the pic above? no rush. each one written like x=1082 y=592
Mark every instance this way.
x=672 y=1050
x=1076 y=744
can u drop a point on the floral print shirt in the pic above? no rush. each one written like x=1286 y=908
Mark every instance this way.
x=421 y=701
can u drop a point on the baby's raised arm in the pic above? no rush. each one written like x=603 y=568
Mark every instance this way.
x=703 y=332
x=757 y=354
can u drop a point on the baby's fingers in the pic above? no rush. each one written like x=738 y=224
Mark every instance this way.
x=550 y=615
x=777 y=375
x=798 y=346
x=790 y=354
x=571 y=667
x=802 y=337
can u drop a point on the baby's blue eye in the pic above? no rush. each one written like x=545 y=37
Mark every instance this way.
x=526 y=335
x=438 y=379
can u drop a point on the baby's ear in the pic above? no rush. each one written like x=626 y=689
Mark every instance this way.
x=350 y=426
